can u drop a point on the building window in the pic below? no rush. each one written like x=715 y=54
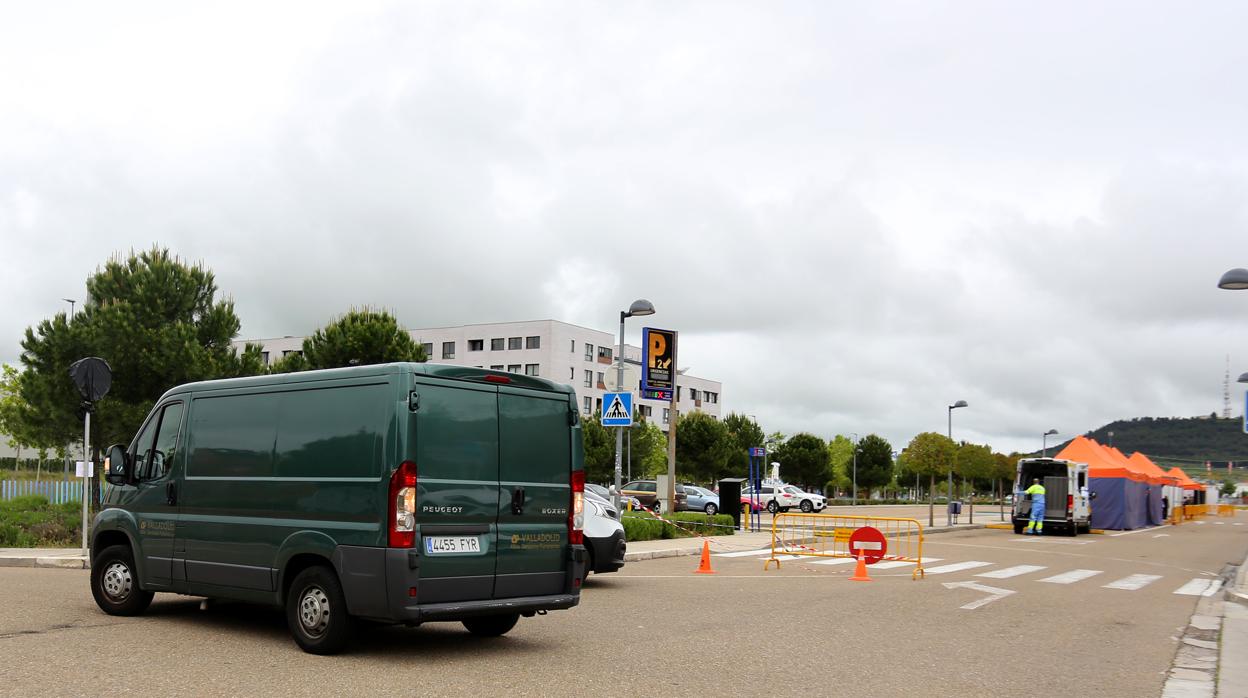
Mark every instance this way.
x=428 y=347
x=693 y=393
x=532 y=342
x=587 y=405
x=598 y=405
x=644 y=410
x=600 y=381
x=678 y=389
x=476 y=344
x=496 y=367
x=530 y=369
x=605 y=353
x=667 y=414
x=571 y=373
x=513 y=342
x=264 y=356
x=573 y=349
x=288 y=352
x=713 y=398
x=448 y=350
x=496 y=344
x=589 y=352
x=513 y=368
x=589 y=379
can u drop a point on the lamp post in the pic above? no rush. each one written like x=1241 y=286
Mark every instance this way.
x=71 y=302
x=855 y=435
x=1044 y=442
x=1234 y=280
x=639 y=307
x=949 y=504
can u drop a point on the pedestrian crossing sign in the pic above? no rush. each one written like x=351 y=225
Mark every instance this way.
x=617 y=410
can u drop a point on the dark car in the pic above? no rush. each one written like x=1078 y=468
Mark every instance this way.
x=646 y=491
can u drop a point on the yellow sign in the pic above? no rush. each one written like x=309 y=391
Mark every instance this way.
x=841 y=535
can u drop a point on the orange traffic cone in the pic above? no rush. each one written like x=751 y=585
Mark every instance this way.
x=705 y=566
x=860 y=572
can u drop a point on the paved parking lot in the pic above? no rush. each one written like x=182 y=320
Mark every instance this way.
x=659 y=629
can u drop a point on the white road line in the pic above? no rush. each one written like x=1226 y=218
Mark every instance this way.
x=1011 y=571
x=1201 y=523
x=1196 y=587
x=1132 y=583
x=835 y=561
x=745 y=553
x=1219 y=523
x=1213 y=588
x=1071 y=577
x=1138 y=530
x=956 y=567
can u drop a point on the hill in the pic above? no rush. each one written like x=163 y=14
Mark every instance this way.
x=1183 y=441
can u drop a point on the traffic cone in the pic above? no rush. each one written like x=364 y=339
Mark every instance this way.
x=705 y=566
x=860 y=572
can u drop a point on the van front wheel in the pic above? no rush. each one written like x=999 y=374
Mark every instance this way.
x=115 y=583
x=491 y=626
x=316 y=611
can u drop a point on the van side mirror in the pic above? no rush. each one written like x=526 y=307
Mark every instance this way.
x=117 y=466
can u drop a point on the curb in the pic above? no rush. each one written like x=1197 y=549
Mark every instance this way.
x=67 y=563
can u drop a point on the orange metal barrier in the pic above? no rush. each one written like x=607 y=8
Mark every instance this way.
x=827 y=535
x=1226 y=510
x=1191 y=511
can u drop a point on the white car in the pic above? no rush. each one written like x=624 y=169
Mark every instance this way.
x=604 y=536
x=782 y=497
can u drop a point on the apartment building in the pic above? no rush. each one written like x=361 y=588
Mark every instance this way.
x=577 y=356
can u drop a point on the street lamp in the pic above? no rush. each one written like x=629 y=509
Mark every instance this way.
x=1234 y=280
x=71 y=302
x=638 y=308
x=949 y=504
x=1044 y=442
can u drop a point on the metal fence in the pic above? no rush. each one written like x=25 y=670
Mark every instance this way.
x=57 y=491
x=828 y=535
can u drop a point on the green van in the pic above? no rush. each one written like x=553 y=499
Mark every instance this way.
x=399 y=493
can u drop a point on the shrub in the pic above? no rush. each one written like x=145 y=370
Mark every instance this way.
x=29 y=522
x=642 y=526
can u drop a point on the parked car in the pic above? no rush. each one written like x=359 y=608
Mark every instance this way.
x=783 y=497
x=604 y=537
x=754 y=506
x=605 y=494
x=702 y=499
x=646 y=491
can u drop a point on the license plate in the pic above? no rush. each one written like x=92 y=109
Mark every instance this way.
x=444 y=545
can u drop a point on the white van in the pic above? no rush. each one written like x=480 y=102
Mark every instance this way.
x=1067 y=503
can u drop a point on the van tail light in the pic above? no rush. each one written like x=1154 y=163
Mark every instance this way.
x=576 y=511
x=403 y=506
x=1070 y=502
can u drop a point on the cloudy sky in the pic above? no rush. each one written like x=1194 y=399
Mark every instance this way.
x=854 y=213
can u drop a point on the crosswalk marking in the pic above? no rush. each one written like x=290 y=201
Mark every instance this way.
x=891 y=564
x=1219 y=523
x=1213 y=588
x=835 y=561
x=1133 y=582
x=1011 y=571
x=1071 y=577
x=1196 y=587
x=745 y=553
x=956 y=567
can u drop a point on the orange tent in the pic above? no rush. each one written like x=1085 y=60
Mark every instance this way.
x=1185 y=481
x=1155 y=474
x=1101 y=463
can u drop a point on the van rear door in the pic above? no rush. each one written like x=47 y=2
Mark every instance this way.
x=535 y=465
x=457 y=494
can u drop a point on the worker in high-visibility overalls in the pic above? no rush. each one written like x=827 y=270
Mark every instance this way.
x=1036 y=525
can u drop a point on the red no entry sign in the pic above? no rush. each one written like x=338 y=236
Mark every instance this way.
x=870 y=542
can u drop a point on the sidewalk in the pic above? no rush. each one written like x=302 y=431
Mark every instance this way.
x=67 y=558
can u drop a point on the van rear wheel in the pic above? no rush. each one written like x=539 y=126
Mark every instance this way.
x=115 y=583
x=491 y=626
x=316 y=611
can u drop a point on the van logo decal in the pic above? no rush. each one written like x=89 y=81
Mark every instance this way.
x=536 y=541
x=441 y=510
x=554 y=511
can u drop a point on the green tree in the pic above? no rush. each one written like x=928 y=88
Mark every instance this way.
x=703 y=447
x=156 y=320
x=359 y=338
x=744 y=434
x=875 y=463
x=599 y=445
x=804 y=459
x=930 y=454
x=840 y=458
x=1228 y=487
x=1003 y=470
x=648 y=453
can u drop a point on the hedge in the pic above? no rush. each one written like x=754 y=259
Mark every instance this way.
x=640 y=526
x=33 y=522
